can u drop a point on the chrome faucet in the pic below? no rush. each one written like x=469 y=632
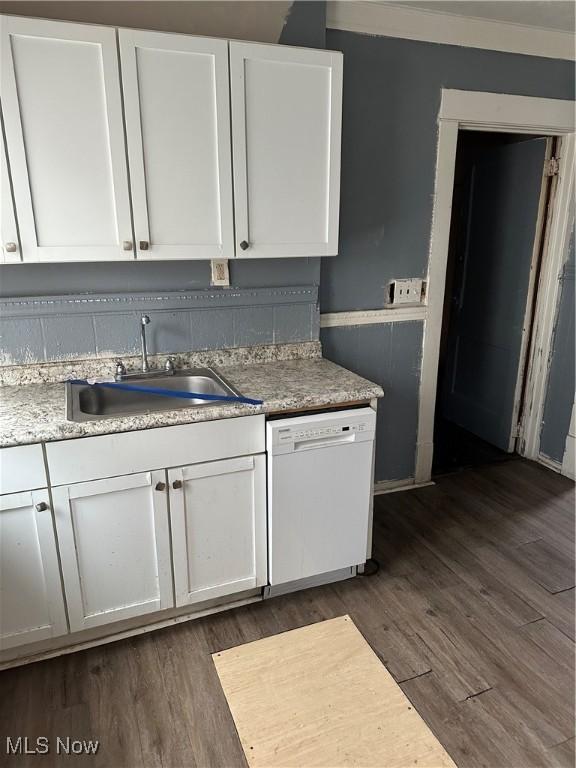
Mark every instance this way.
x=121 y=373
x=144 y=320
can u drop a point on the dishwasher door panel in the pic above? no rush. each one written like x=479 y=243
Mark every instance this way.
x=318 y=510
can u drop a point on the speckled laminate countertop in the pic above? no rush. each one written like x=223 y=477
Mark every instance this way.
x=33 y=413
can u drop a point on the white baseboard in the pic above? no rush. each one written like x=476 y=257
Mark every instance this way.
x=569 y=462
x=391 y=486
x=546 y=461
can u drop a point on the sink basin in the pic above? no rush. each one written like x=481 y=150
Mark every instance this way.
x=86 y=403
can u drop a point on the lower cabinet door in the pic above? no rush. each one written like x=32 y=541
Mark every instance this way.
x=218 y=516
x=31 y=600
x=114 y=548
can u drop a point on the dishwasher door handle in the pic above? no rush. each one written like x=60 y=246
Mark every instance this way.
x=325 y=442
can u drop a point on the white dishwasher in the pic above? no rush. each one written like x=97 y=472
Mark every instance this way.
x=319 y=493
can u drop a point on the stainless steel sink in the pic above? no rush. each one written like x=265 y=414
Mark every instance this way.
x=89 y=403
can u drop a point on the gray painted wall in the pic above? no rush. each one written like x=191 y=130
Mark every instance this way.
x=305 y=25
x=392 y=91
x=560 y=393
x=390 y=355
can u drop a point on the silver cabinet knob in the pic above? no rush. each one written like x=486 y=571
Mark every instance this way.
x=177 y=484
x=244 y=245
x=127 y=245
x=10 y=247
x=41 y=507
x=160 y=487
x=144 y=245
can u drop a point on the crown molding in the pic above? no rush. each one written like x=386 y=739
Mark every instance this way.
x=374 y=18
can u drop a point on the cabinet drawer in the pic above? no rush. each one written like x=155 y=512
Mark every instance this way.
x=90 y=458
x=22 y=468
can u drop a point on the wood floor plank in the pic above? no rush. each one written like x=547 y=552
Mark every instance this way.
x=193 y=687
x=562 y=755
x=561 y=612
x=454 y=547
x=553 y=642
x=447 y=720
x=547 y=565
x=551 y=606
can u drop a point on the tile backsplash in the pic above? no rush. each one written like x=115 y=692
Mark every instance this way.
x=43 y=329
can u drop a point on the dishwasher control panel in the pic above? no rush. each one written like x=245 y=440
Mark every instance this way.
x=349 y=426
x=287 y=434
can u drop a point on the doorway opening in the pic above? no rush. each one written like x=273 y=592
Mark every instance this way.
x=502 y=192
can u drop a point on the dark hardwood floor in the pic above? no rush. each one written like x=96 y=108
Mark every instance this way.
x=472 y=612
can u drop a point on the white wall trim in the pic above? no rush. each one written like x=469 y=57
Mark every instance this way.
x=402 y=21
x=552 y=464
x=372 y=316
x=510 y=114
x=480 y=111
x=569 y=460
x=447 y=140
x=547 y=300
x=392 y=486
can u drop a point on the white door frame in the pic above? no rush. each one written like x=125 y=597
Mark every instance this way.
x=474 y=110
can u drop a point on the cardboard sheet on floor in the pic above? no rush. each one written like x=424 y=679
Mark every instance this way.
x=319 y=696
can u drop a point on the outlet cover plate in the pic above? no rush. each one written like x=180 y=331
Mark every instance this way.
x=405 y=291
x=220 y=272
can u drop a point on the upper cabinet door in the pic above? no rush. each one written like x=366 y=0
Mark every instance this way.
x=176 y=99
x=286 y=126
x=10 y=251
x=60 y=92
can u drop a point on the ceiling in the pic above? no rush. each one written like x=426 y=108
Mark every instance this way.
x=544 y=14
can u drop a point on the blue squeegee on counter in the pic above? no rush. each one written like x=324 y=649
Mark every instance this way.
x=161 y=392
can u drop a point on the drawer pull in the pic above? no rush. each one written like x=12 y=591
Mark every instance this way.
x=160 y=487
x=177 y=484
x=42 y=507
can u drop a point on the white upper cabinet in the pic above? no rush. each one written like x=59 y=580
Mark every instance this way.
x=10 y=251
x=286 y=126
x=62 y=107
x=176 y=99
x=172 y=171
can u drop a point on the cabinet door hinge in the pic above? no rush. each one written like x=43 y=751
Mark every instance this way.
x=552 y=167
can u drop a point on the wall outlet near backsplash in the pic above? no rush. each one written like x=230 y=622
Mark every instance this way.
x=220 y=274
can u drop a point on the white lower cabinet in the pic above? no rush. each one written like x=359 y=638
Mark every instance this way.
x=31 y=601
x=218 y=516
x=127 y=538
x=115 y=548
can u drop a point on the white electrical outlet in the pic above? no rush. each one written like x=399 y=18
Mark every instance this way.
x=405 y=291
x=220 y=272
